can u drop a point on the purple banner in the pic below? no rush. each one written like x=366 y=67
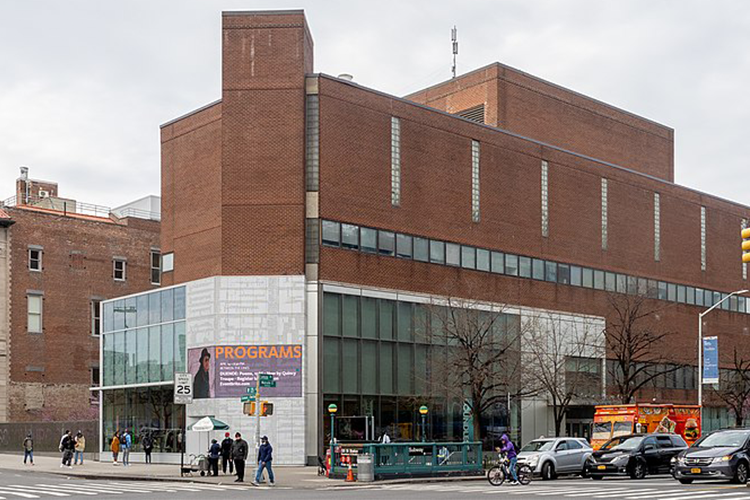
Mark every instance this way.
x=227 y=371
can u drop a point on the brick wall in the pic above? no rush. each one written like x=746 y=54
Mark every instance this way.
x=50 y=373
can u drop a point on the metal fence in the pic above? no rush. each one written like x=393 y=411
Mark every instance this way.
x=67 y=206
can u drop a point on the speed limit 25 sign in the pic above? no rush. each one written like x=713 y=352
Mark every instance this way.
x=183 y=388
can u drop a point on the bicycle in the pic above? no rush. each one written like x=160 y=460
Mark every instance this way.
x=500 y=472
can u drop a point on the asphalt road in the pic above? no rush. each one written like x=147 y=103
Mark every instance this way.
x=32 y=485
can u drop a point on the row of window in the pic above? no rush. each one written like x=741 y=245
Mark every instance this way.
x=404 y=246
x=35 y=314
x=153 y=308
x=119 y=265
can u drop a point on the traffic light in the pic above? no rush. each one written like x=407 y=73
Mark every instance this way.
x=266 y=409
x=248 y=408
x=746 y=245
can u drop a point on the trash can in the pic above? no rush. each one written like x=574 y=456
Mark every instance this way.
x=365 y=468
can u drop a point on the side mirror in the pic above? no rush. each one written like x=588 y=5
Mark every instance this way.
x=649 y=447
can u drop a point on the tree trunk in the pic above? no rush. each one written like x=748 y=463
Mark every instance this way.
x=477 y=418
x=559 y=416
x=738 y=419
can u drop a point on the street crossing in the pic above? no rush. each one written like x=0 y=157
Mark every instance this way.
x=581 y=491
x=55 y=489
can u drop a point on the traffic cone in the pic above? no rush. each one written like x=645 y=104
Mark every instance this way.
x=350 y=475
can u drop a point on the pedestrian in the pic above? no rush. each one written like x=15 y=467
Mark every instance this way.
x=386 y=439
x=80 y=447
x=148 y=446
x=214 y=452
x=510 y=451
x=239 y=455
x=226 y=454
x=28 y=449
x=265 y=457
x=126 y=444
x=68 y=446
x=115 y=447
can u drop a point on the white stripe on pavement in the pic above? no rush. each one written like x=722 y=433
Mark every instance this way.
x=619 y=491
x=532 y=490
x=34 y=489
x=8 y=491
x=78 y=490
x=639 y=496
x=708 y=495
x=605 y=495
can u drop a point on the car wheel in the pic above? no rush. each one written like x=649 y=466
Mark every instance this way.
x=584 y=472
x=548 y=471
x=686 y=481
x=638 y=471
x=740 y=474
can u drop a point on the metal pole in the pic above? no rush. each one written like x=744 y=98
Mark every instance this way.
x=257 y=416
x=423 y=429
x=182 y=446
x=700 y=367
x=332 y=461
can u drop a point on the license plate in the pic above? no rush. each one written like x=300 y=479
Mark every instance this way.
x=695 y=470
x=602 y=467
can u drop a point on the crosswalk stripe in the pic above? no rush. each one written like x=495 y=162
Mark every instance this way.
x=8 y=491
x=605 y=495
x=79 y=490
x=639 y=496
x=127 y=487
x=712 y=495
x=586 y=494
x=551 y=490
x=33 y=489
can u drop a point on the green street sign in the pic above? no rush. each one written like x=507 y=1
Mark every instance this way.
x=267 y=383
x=246 y=399
x=265 y=377
x=252 y=391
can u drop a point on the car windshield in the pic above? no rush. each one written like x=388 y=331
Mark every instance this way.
x=538 y=446
x=729 y=439
x=622 y=428
x=602 y=430
x=630 y=443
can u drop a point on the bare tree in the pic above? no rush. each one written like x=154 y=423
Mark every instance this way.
x=564 y=361
x=734 y=387
x=481 y=354
x=636 y=343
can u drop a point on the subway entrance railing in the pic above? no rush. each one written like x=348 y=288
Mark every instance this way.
x=415 y=459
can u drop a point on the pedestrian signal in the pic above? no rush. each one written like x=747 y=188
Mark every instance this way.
x=266 y=409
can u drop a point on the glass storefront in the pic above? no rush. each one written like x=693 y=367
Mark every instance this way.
x=143 y=344
x=380 y=359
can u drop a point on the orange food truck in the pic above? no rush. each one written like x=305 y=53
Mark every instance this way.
x=616 y=420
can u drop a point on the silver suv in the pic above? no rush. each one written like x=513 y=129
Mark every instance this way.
x=552 y=456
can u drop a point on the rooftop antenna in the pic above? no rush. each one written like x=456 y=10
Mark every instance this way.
x=454 y=39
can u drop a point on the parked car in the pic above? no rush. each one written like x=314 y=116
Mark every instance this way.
x=552 y=456
x=721 y=454
x=635 y=455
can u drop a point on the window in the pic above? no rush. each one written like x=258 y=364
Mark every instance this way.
x=524 y=267
x=545 y=200
x=538 y=269
x=661 y=291
x=453 y=254
x=672 y=292
x=437 y=252
x=483 y=260
x=368 y=239
x=155 y=267
x=95 y=380
x=349 y=236
x=563 y=274
x=575 y=276
x=386 y=243
x=312 y=143
x=699 y=297
x=598 y=279
x=622 y=283
x=610 y=282
x=511 y=264
x=403 y=246
x=657 y=227
x=703 y=238
x=35 y=259
x=690 y=295
x=475 y=181
x=421 y=249
x=681 y=294
x=96 y=319
x=167 y=261
x=604 y=214
x=632 y=285
x=331 y=233
x=498 y=262
x=118 y=269
x=395 y=161
x=34 y=314
x=588 y=278
x=468 y=257
x=550 y=272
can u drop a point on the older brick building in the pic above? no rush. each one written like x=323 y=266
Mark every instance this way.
x=304 y=208
x=60 y=259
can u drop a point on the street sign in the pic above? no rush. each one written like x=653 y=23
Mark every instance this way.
x=245 y=399
x=251 y=391
x=710 y=360
x=183 y=388
x=265 y=377
x=267 y=383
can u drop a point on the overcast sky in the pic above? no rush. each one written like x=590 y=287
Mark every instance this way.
x=85 y=84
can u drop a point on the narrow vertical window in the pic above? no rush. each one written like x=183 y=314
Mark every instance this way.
x=155 y=267
x=34 y=314
x=395 y=161
x=545 y=200
x=118 y=269
x=96 y=319
x=744 y=265
x=703 y=238
x=657 y=227
x=604 y=214
x=312 y=140
x=475 y=181
x=35 y=259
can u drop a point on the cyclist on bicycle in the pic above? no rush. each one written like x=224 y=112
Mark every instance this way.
x=510 y=451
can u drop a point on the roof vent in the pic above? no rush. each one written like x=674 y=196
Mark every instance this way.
x=346 y=76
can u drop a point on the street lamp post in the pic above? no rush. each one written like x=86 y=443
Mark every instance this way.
x=423 y=411
x=332 y=409
x=700 y=347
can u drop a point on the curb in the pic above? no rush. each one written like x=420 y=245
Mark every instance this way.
x=136 y=478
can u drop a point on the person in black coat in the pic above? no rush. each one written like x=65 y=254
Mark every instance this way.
x=265 y=457
x=201 y=385
x=239 y=455
x=226 y=454
x=214 y=452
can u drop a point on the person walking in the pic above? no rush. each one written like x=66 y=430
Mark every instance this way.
x=115 y=447
x=68 y=446
x=239 y=455
x=226 y=454
x=214 y=452
x=28 y=449
x=148 y=446
x=265 y=457
x=126 y=443
x=80 y=447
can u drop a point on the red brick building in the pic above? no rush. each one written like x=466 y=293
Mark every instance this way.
x=495 y=186
x=60 y=259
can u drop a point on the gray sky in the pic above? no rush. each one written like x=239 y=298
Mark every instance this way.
x=85 y=84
